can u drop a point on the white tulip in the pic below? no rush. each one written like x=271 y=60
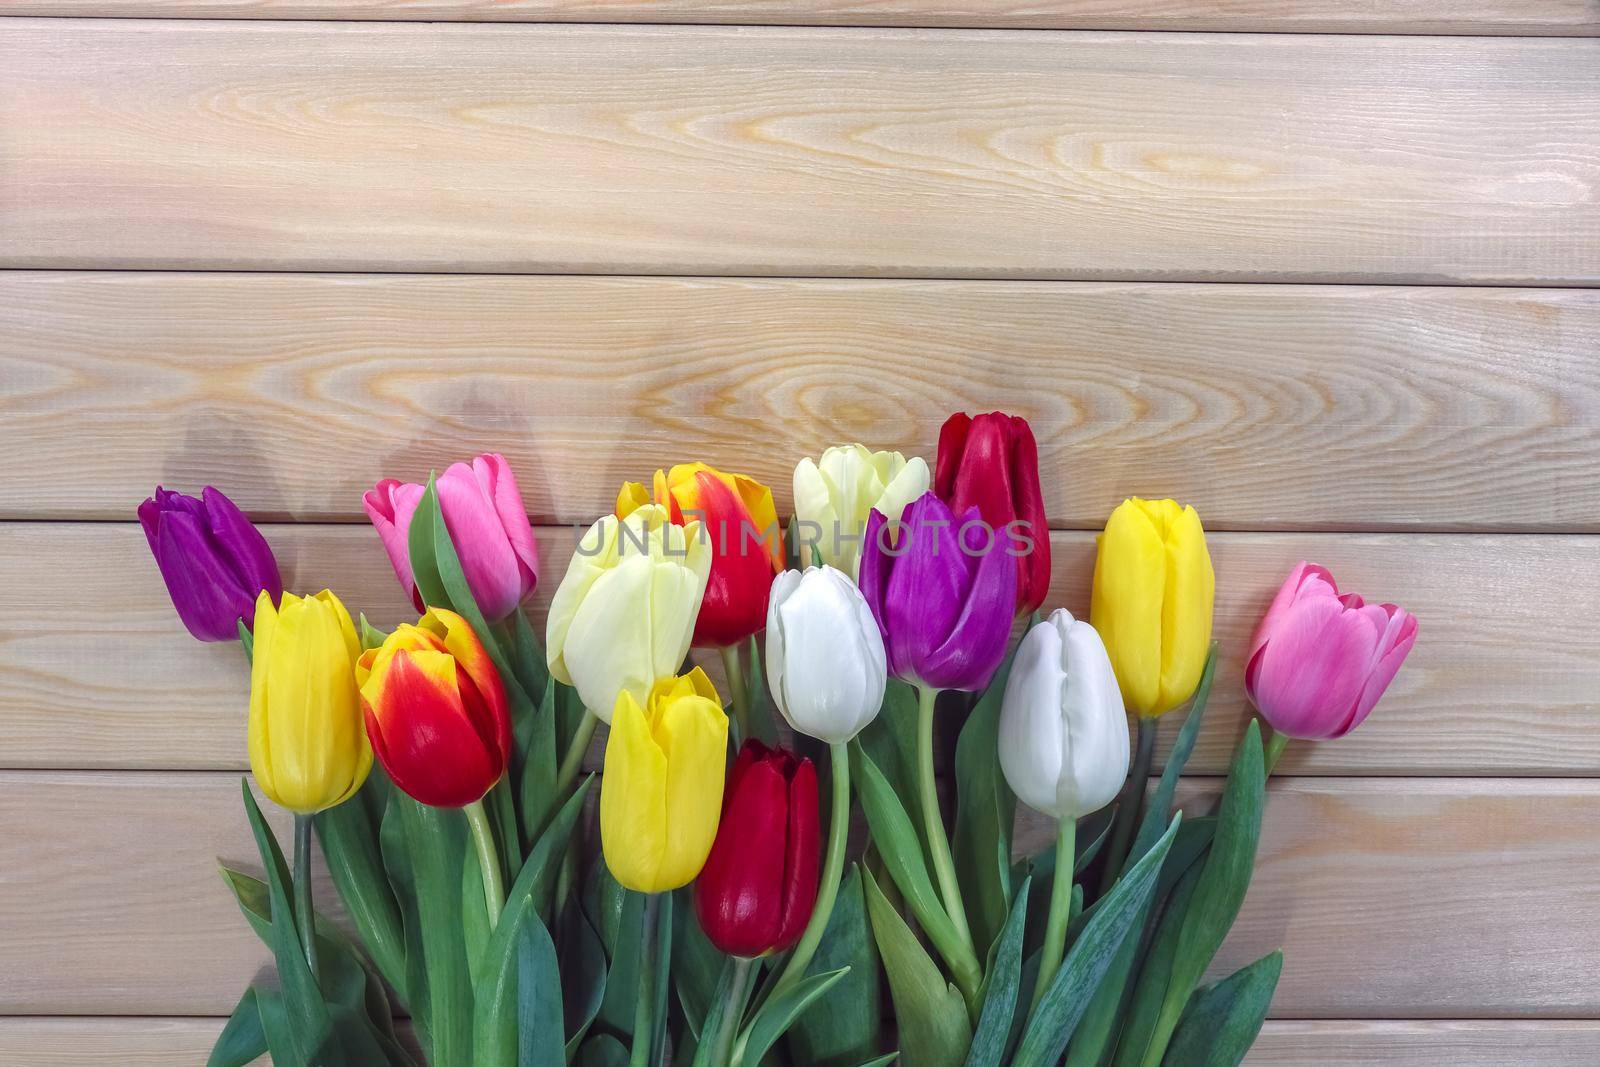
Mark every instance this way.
x=1063 y=729
x=837 y=492
x=825 y=658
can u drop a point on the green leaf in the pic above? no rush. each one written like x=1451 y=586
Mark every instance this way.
x=436 y=851
x=602 y=1050
x=930 y=1013
x=1063 y=1004
x=494 y=987
x=985 y=811
x=526 y=654
x=1222 y=1020
x=882 y=1061
x=393 y=844
x=308 y=1014
x=1141 y=1013
x=697 y=966
x=715 y=1013
x=371 y=636
x=349 y=839
x=891 y=738
x=847 y=1021
x=777 y=1014
x=662 y=979
x=1155 y=815
x=242 y=1040
x=896 y=841
x=762 y=721
x=583 y=973
x=1226 y=875
x=420 y=547
x=534 y=765
x=1000 y=996
x=622 y=980
x=539 y=1013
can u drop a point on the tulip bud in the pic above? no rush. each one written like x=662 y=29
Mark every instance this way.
x=1063 y=730
x=436 y=710
x=825 y=657
x=759 y=884
x=1321 y=659
x=942 y=592
x=625 y=611
x=661 y=792
x=214 y=562
x=835 y=494
x=307 y=748
x=1153 y=590
x=736 y=514
x=992 y=463
x=488 y=526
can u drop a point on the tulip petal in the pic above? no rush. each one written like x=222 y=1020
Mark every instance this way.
x=1130 y=581
x=734 y=605
x=1032 y=733
x=927 y=588
x=423 y=735
x=1097 y=752
x=802 y=856
x=205 y=591
x=1311 y=672
x=633 y=812
x=1394 y=645
x=739 y=893
x=972 y=652
x=241 y=545
x=495 y=474
x=1186 y=609
x=693 y=733
x=491 y=567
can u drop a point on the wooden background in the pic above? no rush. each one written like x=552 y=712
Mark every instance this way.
x=1321 y=268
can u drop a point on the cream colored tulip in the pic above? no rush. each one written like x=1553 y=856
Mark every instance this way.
x=838 y=491
x=624 y=613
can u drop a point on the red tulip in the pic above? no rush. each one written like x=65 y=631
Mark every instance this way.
x=436 y=711
x=757 y=889
x=991 y=462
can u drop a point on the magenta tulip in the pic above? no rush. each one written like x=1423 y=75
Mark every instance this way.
x=214 y=562
x=943 y=591
x=488 y=526
x=1321 y=659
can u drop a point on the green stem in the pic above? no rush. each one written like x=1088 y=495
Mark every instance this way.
x=1276 y=743
x=832 y=872
x=1055 y=930
x=738 y=690
x=725 y=1052
x=494 y=892
x=305 y=917
x=1127 y=816
x=933 y=821
x=644 y=1008
x=572 y=762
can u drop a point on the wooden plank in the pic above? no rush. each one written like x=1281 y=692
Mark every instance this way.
x=1522 y=17
x=160 y=1042
x=1410 y=897
x=1431 y=408
x=1471 y=1043
x=932 y=153
x=97 y=671
x=1430 y=864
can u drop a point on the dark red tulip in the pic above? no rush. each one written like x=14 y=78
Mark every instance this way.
x=757 y=889
x=992 y=463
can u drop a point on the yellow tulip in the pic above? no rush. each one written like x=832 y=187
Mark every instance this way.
x=308 y=742
x=625 y=610
x=1153 y=592
x=661 y=793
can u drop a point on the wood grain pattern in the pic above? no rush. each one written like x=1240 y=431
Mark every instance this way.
x=161 y=1042
x=943 y=153
x=1526 y=17
x=1431 y=863
x=97 y=671
x=1272 y=407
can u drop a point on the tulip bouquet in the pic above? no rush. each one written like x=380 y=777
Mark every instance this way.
x=726 y=917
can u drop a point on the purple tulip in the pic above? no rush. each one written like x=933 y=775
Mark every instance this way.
x=214 y=562
x=943 y=592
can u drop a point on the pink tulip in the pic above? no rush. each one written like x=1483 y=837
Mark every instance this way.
x=484 y=516
x=1321 y=659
